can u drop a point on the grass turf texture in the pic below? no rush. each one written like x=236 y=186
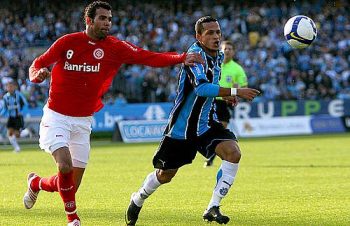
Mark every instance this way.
x=281 y=181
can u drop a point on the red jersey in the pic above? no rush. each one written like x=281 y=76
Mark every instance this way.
x=84 y=69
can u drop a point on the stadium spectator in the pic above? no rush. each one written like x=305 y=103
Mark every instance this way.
x=165 y=27
x=84 y=66
x=193 y=126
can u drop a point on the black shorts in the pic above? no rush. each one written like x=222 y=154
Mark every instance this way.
x=174 y=153
x=16 y=123
x=222 y=111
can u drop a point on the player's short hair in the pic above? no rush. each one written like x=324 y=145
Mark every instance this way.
x=228 y=42
x=199 y=24
x=90 y=10
x=11 y=82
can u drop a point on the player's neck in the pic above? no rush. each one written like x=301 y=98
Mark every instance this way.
x=226 y=60
x=89 y=32
x=212 y=53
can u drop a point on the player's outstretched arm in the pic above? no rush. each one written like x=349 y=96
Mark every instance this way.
x=132 y=54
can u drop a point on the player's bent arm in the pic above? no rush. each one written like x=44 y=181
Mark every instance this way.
x=33 y=74
x=208 y=90
x=38 y=75
x=38 y=71
x=212 y=90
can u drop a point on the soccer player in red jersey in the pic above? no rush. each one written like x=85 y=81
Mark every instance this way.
x=84 y=66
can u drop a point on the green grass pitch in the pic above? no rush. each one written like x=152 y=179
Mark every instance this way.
x=281 y=181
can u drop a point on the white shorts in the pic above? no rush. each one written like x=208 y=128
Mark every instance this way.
x=57 y=130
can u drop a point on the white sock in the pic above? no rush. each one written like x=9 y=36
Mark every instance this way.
x=150 y=184
x=24 y=133
x=14 y=143
x=224 y=179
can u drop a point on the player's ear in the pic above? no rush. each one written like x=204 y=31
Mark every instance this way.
x=198 y=37
x=88 y=20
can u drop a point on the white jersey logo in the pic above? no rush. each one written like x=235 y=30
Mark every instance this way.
x=81 y=67
x=130 y=46
x=98 y=53
x=70 y=54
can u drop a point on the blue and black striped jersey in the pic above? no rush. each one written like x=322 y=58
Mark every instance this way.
x=13 y=104
x=194 y=109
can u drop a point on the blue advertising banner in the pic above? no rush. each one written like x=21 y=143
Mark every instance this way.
x=335 y=108
x=105 y=119
x=141 y=130
x=327 y=124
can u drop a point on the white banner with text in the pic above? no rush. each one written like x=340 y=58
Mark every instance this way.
x=277 y=126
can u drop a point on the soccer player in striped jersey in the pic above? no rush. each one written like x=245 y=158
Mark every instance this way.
x=193 y=126
x=14 y=104
x=84 y=65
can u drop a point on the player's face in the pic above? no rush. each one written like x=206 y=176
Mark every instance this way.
x=10 y=88
x=228 y=51
x=102 y=23
x=210 y=37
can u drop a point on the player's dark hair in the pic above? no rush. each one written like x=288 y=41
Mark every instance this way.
x=90 y=10
x=199 y=24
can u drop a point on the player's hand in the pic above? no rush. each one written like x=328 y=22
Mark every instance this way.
x=231 y=100
x=192 y=58
x=42 y=74
x=247 y=93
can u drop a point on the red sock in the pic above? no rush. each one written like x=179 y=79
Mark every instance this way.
x=49 y=184
x=67 y=191
x=34 y=185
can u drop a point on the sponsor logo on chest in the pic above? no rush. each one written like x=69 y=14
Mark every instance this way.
x=81 y=67
x=98 y=54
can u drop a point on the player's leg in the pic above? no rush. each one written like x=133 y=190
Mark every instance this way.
x=25 y=133
x=171 y=155
x=79 y=147
x=225 y=146
x=151 y=183
x=223 y=114
x=55 y=136
x=78 y=174
x=22 y=132
x=229 y=152
x=11 y=134
x=57 y=183
x=16 y=133
x=18 y=124
x=209 y=162
x=149 y=186
x=50 y=184
x=62 y=182
x=65 y=182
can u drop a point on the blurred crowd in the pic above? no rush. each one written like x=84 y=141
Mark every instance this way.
x=321 y=71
